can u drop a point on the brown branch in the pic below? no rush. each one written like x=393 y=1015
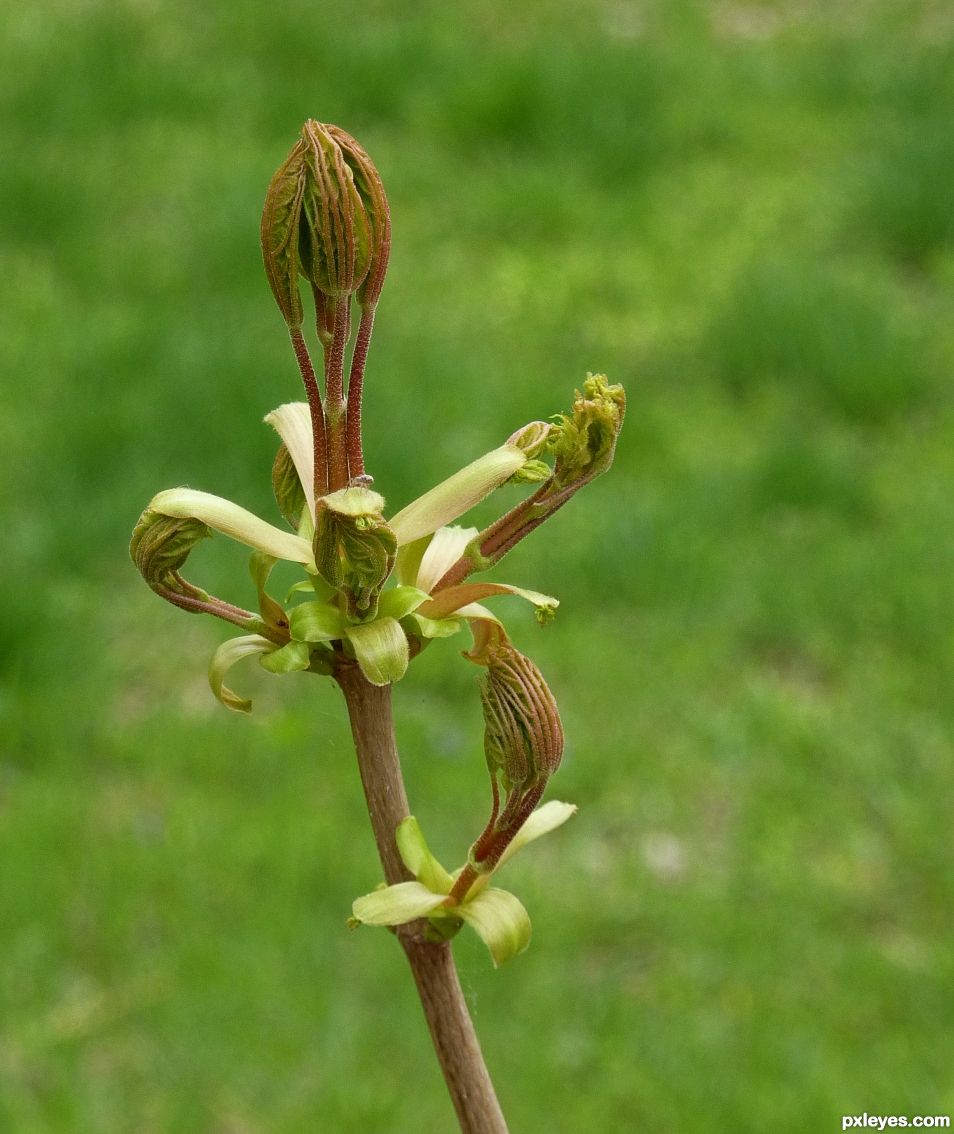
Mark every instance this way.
x=432 y=963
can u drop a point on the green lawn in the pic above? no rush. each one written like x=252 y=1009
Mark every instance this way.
x=742 y=212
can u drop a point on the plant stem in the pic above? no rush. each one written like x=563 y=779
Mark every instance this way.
x=334 y=397
x=355 y=387
x=432 y=963
x=317 y=412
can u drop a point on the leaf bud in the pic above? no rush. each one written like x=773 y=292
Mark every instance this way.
x=533 y=472
x=370 y=188
x=523 y=734
x=354 y=547
x=584 y=442
x=160 y=546
x=325 y=219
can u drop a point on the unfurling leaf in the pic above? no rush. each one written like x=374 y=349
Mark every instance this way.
x=584 y=442
x=229 y=654
x=160 y=546
x=354 y=547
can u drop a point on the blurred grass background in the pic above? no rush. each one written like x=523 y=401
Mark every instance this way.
x=743 y=211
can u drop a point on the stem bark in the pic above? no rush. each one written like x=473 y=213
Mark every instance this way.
x=432 y=963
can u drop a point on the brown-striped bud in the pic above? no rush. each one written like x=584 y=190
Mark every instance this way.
x=326 y=219
x=370 y=188
x=523 y=744
x=523 y=734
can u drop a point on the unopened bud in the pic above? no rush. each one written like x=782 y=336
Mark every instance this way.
x=523 y=734
x=281 y=221
x=335 y=235
x=160 y=546
x=326 y=219
x=354 y=547
x=370 y=188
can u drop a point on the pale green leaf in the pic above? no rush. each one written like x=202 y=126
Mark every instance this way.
x=396 y=905
x=227 y=655
x=399 y=601
x=431 y=627
x=315 y=585
x=417 y=857
x=260 y=567
x=292 y=422
x=544 y=820
x=290 y=658
x=458 y=494
x=500 y=921
x=233 y=521
x=408 y=562
x=315 y=622
x=446 y=547
x=381 y=649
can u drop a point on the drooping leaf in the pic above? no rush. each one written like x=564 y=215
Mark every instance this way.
x=227 y=655
x=500 y=921
x=381 y=650
x=396 y=905
x=453 y=598
x=290 y=658
x=260 y=567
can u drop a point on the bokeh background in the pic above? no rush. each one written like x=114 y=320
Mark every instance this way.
x=744 y=212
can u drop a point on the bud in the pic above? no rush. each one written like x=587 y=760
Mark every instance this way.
x=334 y=240
x=281 y=220
x=287 y=487
x=370 y=188
x=531 y=439
x=160 y=546
x=584 y=443
x=533 y=472
x=523 y=734
x=326 y=219
x=354 y=547
x=523 y=744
